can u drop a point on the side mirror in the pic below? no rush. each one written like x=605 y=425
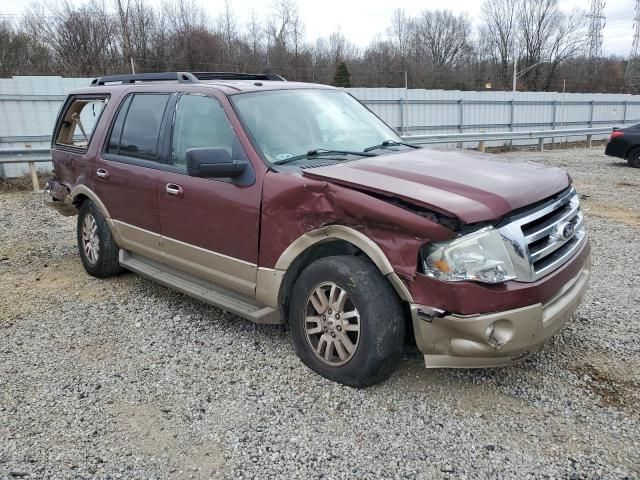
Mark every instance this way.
x=212 y=163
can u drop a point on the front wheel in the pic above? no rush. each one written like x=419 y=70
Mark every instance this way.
x=98 y=250
x=346 y=321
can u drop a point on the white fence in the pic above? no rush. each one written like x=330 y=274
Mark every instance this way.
x=29 y=105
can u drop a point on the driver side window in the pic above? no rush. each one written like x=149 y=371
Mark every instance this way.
x=201 y=122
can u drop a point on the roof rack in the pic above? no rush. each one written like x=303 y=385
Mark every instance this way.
x=183 y=77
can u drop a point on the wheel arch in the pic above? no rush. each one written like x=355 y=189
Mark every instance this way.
x=80 y=193
x=323 y=242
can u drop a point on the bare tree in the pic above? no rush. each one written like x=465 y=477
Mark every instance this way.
x=228 y=28
x=436 y=48
x=401 y=32
x=445 y=36
x=548 y=37
x=500 y=33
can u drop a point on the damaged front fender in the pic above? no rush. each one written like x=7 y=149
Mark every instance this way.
x=294 y=206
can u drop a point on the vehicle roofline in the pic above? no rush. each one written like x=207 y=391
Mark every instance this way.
x=226 y=87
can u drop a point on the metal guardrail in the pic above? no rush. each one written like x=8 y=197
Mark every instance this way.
x=31 y=156
x=482 y=137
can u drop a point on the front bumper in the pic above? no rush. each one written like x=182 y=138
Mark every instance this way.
x=494 y=339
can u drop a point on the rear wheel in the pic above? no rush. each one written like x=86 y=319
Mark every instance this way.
x=634 y=158
x=346 y=321
x=98 y=250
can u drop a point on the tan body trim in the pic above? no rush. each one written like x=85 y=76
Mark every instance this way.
x=216 y=267
x=87 y=192
x=269 y=294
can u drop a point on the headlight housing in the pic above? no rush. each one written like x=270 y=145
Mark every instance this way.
x=480 y=256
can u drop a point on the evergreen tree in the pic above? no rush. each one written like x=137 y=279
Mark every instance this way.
x=342 y=77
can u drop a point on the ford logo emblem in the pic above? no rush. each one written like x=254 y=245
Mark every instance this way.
x=565 y=230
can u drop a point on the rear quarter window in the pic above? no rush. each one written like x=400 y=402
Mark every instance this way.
x=78 y=122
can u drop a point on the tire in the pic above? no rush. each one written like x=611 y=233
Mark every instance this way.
x=100 y=258
x=369 y=301
x=634 y=158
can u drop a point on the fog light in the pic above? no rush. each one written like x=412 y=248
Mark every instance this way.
x=499 y=333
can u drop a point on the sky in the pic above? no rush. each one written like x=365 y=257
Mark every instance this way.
x=363 y=20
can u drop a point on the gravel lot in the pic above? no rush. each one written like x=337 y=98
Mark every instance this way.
x=126 y=379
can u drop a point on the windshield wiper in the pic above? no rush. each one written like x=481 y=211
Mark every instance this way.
x=322 y=152
x=390 y=143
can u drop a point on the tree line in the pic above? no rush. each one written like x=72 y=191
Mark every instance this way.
x=434 y=49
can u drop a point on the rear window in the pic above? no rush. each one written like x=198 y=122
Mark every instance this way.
x=79 y=122
x=136 y=129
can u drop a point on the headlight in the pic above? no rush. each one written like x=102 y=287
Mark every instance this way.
x=480 y=256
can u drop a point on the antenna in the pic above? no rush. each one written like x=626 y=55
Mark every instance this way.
x=632 y=75
x=597 y=22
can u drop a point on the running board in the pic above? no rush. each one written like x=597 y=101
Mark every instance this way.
x=200 y=289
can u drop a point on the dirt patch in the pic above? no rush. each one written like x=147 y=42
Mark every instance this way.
x=150 y=430
x=30 y=291
x=620 y=215
x=612 y=392
x=23 y=183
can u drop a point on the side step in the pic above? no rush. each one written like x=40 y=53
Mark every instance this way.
x=200 y=289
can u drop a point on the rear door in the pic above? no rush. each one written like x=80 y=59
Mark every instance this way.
x=209 y=226
x=126 y=173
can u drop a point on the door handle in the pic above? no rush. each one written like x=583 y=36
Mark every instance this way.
x=174 y=190
x=102 y=173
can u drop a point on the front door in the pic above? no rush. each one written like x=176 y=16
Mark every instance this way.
x=209 y=226
x=126 y=175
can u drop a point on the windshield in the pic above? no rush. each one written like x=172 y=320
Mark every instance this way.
x=290 y=123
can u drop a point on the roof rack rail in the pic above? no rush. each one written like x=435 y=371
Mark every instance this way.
x=182 y=77
x=237 y=76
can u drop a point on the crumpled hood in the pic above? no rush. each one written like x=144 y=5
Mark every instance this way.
x=471 y=186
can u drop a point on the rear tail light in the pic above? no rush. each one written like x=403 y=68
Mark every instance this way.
x=616 y=134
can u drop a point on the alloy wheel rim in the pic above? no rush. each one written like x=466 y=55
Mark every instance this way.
x=90 y=239
x=331 y=324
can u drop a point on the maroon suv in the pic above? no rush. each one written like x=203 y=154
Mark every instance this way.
x=293 y=203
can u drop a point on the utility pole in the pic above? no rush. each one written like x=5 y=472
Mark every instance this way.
x=515 y=71
x=597 y=21
x=632 y=74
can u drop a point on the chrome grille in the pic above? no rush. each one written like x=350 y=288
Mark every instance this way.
x=546 y=237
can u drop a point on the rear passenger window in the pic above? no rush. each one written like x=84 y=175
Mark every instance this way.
x=79 y=121
x=136 y=129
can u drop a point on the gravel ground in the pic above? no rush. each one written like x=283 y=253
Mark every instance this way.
x=123 y=378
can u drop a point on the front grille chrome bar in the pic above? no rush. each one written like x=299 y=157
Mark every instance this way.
x=546 y=237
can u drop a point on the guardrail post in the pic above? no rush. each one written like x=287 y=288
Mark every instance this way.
x=481 y=146
x=541 y=144
x=511 y=118
x=555 y=113
x=461 y=116
x=34 y=176
x=589 y=137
